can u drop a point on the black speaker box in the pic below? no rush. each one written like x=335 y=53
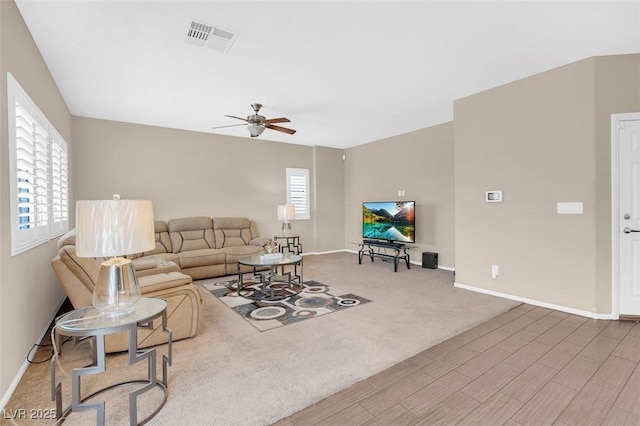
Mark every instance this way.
x=429 y=260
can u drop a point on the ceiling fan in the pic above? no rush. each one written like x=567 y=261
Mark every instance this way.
x=257 y=123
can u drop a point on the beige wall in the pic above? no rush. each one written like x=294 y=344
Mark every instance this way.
x=29 y=292
x=328 y=182
x=542 y=140
x=617 y=91
x=420 y=163
x=200 y=174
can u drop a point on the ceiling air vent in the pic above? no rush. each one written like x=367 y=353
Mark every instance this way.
x=206 y=35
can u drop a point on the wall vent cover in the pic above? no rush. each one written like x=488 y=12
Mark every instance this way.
x=206 y=35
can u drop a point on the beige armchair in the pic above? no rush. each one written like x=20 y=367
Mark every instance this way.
x=157 y=277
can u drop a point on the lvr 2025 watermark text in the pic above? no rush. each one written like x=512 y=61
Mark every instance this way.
x=29 y=413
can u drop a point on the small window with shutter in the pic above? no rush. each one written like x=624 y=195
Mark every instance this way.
x=298 y=191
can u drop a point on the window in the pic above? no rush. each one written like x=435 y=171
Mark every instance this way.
x=39 y=166
x=298 y=191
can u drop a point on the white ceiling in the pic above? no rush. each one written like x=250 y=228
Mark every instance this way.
x=345 y=73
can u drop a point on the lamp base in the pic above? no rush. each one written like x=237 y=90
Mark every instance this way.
x=286 y=228
x=117 y=290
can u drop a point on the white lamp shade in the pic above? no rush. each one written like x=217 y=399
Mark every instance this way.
x=286 y=212
x=107 y=228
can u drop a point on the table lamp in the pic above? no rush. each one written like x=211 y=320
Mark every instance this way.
x=114 y=228
x=286 y=213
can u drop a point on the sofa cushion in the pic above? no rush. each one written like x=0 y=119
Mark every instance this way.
x=148 y=266
x=232 y=231
x=167 y=257
x=203 y=257
x=157 y=282
x=235 y=253
x=163 y=242
x=191 y=233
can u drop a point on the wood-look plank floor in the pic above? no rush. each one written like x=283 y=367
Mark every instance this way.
x=528 y=366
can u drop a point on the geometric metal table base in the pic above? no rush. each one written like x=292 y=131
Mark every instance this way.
x=135 y=355
x=269 y=279
x=291 y=243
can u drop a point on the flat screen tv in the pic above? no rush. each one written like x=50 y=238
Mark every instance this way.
x=389 y=221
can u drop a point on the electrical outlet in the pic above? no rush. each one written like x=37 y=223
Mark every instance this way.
x=495 y=271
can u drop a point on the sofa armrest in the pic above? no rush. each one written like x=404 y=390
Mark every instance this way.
x=260 y=241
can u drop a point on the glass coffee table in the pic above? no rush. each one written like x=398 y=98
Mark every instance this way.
x=271 y=284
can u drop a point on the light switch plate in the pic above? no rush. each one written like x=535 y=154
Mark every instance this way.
x=570 y=207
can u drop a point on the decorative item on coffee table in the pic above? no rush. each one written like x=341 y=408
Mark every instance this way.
x=271 y=252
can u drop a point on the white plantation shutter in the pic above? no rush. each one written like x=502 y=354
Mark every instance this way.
x=24 y=163
x=38 y=173
x=43 y=175
x=60 y=186
x=298 y=191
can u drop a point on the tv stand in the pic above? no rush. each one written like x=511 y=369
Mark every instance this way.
x=399 y=252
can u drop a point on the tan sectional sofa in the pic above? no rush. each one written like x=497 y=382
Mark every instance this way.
x=186 y=249
x=205 y=247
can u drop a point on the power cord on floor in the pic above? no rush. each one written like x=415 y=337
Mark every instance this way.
x=33 y=352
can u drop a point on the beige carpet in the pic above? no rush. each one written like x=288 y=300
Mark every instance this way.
x=233 y=374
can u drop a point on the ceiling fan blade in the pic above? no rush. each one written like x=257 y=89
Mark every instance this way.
x=277 y=120
x=280 y=129
x=237 y=118
x=230 y=125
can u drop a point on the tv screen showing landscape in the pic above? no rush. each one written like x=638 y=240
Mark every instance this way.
x=389 y=221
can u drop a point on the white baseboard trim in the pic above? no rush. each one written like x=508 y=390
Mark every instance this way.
x=315 y=253
x=25 y=365
x=15 y=382
x=444 y=268
x=528 y=301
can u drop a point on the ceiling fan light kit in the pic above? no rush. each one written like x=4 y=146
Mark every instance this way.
x=255 y=130
x=257 y=123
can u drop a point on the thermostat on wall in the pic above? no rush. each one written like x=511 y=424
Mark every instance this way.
x=493 y=197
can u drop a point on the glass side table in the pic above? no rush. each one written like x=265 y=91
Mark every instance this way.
x=291 y=243
x=88 y=323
